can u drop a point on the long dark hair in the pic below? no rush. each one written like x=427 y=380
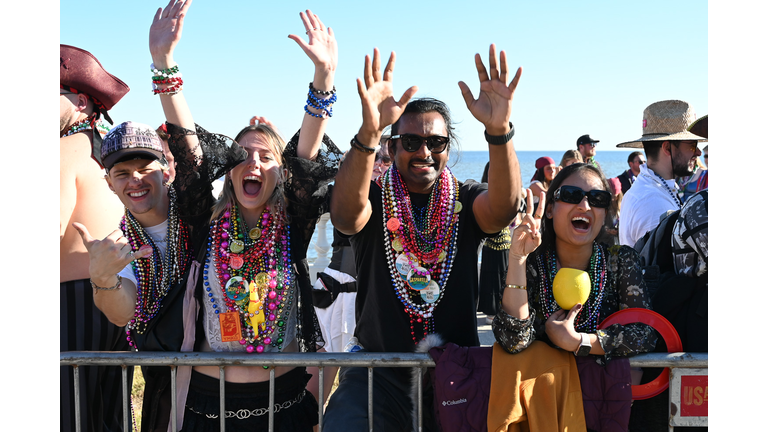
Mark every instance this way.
x=548 y=226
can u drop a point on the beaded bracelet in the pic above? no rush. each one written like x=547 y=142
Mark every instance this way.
x=117 y=286
x=522 y=287
x=170 y=76
x=323 y=105
x=312 y=89
x=363 y=148
x=171 y=71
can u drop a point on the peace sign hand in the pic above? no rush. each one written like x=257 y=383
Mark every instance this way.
x=108 y=256
x=526 y=236
x=165 y=31
x=380 y=109
x=321 y=48
x=493 y=107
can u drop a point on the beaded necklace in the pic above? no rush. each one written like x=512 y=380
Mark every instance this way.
x=253 y=268
x=84 y=125
x=420 y=257
x=157 y=273
x=589 y=317
x=666 y=186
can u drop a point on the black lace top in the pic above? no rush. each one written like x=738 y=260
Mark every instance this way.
x=624 y=288
x=306 y=190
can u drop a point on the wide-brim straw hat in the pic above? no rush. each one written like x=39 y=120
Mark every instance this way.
x=700 y=127
x=666 y=121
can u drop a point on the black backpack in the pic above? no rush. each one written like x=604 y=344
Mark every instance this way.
x=655 y=249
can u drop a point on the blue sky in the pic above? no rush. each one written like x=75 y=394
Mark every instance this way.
x=588 y=67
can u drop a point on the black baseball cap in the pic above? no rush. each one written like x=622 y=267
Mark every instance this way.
x=585 y=139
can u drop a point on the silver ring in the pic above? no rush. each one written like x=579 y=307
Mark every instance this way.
x=130 y=254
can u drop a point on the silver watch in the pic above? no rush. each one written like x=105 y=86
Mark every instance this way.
x=584 y=347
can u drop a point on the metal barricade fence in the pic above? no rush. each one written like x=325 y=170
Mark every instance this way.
x=321 y=360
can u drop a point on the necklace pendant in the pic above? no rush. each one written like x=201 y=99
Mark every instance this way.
x=262 y=279
x=397 y=245
x=236 y=288
x=236 y=261
x=457 y=207
x=418 y=278
x=393 y=224
x=254 y=233
x=403 y=265
x=431 y=293
x=236 y=246
x=229 y=325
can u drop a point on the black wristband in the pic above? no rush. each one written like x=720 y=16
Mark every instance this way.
x=363 y=148
x=500 y=139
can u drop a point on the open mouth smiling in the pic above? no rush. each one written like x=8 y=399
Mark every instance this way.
x=251 y=185
x=581 y=223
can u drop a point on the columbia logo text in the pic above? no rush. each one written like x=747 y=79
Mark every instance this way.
x=454 y=402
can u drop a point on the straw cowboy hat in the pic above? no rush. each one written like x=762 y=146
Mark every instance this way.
x=666 y=121
x=700 y=127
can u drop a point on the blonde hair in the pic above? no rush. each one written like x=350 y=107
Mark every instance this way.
x=571 y=155
x=277 y=202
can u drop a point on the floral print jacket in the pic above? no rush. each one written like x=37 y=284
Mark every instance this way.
x=624 y=288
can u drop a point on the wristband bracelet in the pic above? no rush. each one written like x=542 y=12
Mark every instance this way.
x=521 y=287
x=500 y=139
x=116 y=286
x=321 y=92
x=363 y=148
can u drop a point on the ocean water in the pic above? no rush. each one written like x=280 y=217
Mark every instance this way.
x=470 y=165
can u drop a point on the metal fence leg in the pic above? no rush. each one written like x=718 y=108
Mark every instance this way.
x=321 y=387
x=173 y=397
x=271 y=399
x=222 y=410
x=126 y=396
x=370 y=399
x=76 y=382
x=418 y=399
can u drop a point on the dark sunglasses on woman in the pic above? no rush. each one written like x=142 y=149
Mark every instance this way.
x=412 y=142
x=574 y=195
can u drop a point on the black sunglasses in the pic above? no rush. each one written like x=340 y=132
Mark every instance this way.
x=386 y=160
x=412 y=142
x=574 y=195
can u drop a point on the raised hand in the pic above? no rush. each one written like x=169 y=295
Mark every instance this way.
x=321 y=47
x=165 y=31
x=526 y=236
x=493 y=107
x=561 y=330
x=110 y=255
x=380 y=109
x=262 y=120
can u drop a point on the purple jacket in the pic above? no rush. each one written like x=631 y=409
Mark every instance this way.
x=607 y=393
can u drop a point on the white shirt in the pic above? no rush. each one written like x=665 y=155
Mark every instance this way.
x=158 y=235
x=644 y=204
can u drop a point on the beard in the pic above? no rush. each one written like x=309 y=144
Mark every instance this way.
x=681 y=168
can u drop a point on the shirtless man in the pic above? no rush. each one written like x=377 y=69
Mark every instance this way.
x=87 y=91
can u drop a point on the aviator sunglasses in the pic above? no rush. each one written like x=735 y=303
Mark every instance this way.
x=412 y=142
x=574 y=195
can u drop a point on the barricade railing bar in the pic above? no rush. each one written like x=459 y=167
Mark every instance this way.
x=369 y=360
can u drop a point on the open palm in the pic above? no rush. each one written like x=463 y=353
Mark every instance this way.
x=165 y=31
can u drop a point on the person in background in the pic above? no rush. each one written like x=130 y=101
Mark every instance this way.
x=546 y=170
x=587 y=146
x=570 y=157
x=628 y=177
x=672 y=152
x=613 y=227
x=86 y=93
